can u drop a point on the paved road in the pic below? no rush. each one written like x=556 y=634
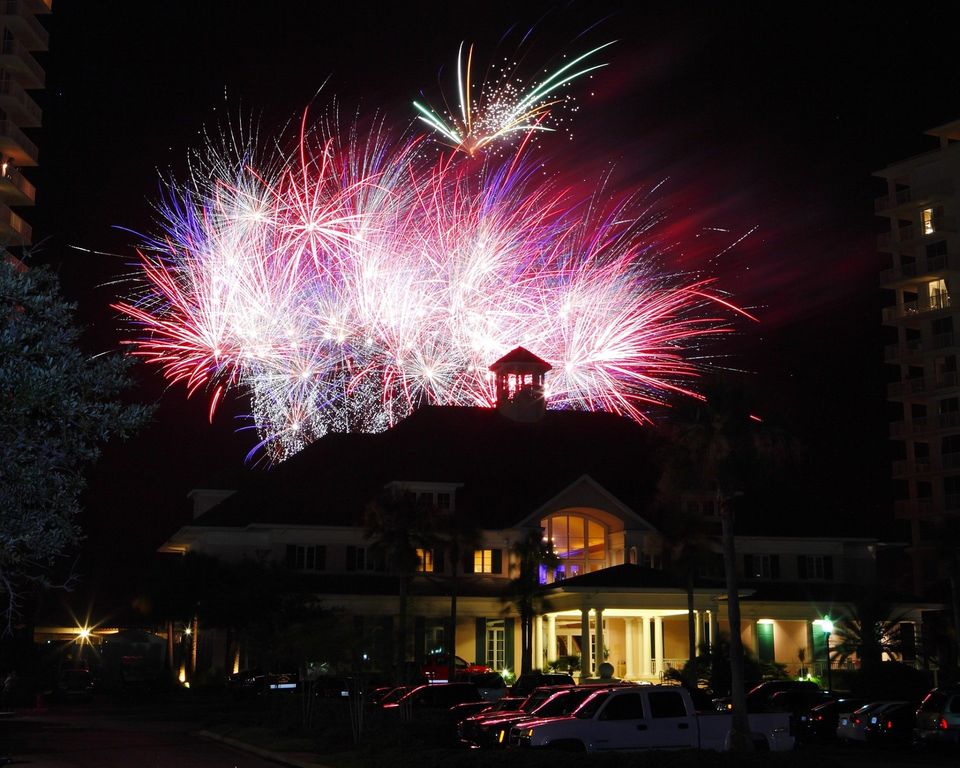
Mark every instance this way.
x=77 y=739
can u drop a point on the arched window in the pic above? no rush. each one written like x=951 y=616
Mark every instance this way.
x=579 y=542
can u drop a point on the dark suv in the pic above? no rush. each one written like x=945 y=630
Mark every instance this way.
x=525 y=685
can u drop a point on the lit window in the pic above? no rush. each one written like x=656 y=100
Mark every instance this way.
x=937 y=290
x=579 y=543
x=929 y=225
x=425 y=560
x=483 y=561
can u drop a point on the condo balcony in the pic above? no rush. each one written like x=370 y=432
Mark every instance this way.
x=913 y=196
x=16 y=59
x=909 y=309
x=898 y=389
x=14 y=188
x=909 y=348
x=908 y=236
x=914 y=508
x=13 y=229
x=15 y=145
x=18 y=17
x=930 y=266
x=18 y=106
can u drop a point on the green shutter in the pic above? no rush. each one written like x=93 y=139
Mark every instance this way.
x=765 y=651
x=496 y=561
x=819 y=643
x=802 y=567
x=468 y=562
x=508 y=646
x=481 y=641
x=748 y=566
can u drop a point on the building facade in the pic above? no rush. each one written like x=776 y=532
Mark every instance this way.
x=21 y=35
x=921 y=204
x=586 y=482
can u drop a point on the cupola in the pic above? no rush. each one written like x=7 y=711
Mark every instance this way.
x=520 y=385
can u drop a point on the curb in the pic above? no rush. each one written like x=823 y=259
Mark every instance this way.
x=278 y=757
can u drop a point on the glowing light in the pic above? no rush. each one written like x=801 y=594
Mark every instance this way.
x=379 y=273
x=83 y=634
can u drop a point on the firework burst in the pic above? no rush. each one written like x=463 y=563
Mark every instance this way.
x=342 y=286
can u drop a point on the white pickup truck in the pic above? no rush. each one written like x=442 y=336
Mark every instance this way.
x=648 y=717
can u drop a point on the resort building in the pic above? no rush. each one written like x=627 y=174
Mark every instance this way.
x=922 y=205
x=21 y=34
x=586 y=482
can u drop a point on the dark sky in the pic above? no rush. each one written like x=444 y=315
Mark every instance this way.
x=755 y=115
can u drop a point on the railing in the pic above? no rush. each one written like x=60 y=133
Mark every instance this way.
x=946 y=380
x=950 y=460
x=9 y=219
x=951 y=502
x=913 y=507
x=24 y=13
x=909 y=386
x=942 y=340
x=7 y=128
x=948 y=420
x=18 y=180
x=12 y=90
x=933 y=303
x=929 y=265
x=913 y=195
x=23 y=59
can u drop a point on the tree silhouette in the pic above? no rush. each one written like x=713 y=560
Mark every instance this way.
x=397 y=525
x=526 y=592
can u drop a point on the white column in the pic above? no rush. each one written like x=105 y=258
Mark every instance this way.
x=599 y=633
x=629 y=626
x=697 y=630
x=586 y=662
x=551 y=637
x=538 y=642
x=645 y=647
x=714 y=628
x=658 y=653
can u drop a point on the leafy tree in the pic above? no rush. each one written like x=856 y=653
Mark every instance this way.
x=57 y=408
x=525 y=590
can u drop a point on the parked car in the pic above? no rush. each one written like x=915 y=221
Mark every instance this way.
x=820 y=722
x=436 y=668
x=461 y=712
x=494 y=730
x=491 y=685
x=852 y=727
x=394 y=695
x=784 y=696
x=892 y=725
x=537 y=679
x=938 y=718
x=75 y=684
x=647 y=717
x=440 y=696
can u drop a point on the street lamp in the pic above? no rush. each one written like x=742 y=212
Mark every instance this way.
x=826 y=626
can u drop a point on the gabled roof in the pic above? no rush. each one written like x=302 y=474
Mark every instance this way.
x=523 y=356
x=507 y=468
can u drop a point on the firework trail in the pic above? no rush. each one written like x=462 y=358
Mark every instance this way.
x=342 y=286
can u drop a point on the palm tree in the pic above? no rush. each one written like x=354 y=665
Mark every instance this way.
x=868 y=630
x=526 y=592
x=717 y=437
x=457 y=536
x=397 y=525
x=685 y=549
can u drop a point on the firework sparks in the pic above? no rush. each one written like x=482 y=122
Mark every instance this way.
x=342 y=287
x=502 y=109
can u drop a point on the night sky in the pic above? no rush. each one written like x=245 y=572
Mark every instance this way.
x=750 y=117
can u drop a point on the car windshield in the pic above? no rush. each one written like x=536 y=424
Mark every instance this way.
x=535 y=699
x=563 y=704
x=591 y=705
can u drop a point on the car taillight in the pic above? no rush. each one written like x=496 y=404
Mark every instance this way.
x=856 y=721
x=889 y=725
x=819 y=717
x=942 y=725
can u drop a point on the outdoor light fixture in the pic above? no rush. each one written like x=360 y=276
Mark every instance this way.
x=826 y=626
x=83 y=634
x=188 y=631
x=764 y=621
